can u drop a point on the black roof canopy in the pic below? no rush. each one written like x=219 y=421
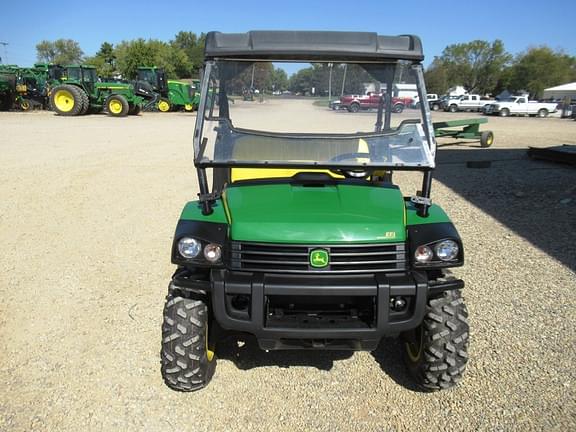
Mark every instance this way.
x=312 y=45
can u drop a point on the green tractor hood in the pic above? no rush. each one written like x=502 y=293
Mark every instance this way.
x=340 y=213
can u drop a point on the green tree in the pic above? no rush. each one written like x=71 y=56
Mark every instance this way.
x=476 y=65
x=104 y=60
x=61 y=51
x=351 y=77
x=152 y=52
x=193 y=47
x=302 y=81
x=541 y=67
x=278 y=79
x=436 y=76
x=255 y=75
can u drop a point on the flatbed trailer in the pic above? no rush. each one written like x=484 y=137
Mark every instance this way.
x=466 y=129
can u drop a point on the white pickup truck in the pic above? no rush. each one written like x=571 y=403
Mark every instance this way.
x=469 y=102
x=520 y=105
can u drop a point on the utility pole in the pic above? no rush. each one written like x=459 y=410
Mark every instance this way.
x=5 y=58
x=344 y=78
x=330 y=65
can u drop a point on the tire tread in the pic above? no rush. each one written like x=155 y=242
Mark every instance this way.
x=445 y=344
x=184 y=360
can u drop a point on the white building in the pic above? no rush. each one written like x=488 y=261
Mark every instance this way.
x=400 y=90
x=405 y=90
x=456 y=91
x=560 y=92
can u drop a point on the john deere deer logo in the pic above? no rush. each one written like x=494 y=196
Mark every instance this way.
x=319 y=258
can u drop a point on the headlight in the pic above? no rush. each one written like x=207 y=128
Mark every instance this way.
x=212 y=252
x=423 y=254
x=189 y=247
x=446 y=250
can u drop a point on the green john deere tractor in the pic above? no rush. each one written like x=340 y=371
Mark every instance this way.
x=166 y=95
x=76 y=91
x=7 y=87
x=303 y=241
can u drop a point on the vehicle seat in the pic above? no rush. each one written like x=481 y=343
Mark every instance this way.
x=258 y=148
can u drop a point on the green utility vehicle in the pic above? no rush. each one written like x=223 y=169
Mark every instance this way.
x=167 y=94
x=303 y=241
x=78 y=91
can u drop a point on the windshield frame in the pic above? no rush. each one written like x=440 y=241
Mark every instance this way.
x=200 y=141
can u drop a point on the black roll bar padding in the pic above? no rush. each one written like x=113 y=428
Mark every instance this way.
x=204 y=191
x=426 y=188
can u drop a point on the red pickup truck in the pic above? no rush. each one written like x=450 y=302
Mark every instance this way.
x=355 y=103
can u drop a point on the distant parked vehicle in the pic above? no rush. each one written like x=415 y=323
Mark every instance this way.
x=520 y=105
x=355 y=103
x=430 y=97
x=335 y=104
x=470 y=102
x=442 y=102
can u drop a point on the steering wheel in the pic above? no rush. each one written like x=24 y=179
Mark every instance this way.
x=356 y=173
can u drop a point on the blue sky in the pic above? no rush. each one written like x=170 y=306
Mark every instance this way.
x=520 y=24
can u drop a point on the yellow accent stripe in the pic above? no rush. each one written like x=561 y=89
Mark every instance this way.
x=405 y=214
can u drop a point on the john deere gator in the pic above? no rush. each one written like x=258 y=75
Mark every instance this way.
x=303 y=240
x=78 y=91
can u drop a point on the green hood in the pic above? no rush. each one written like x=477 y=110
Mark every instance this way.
x=284 y=213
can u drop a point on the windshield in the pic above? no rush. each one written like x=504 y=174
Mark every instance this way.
x=90 y=75
x=313 y=114
x=74 y=73
x=147 y=75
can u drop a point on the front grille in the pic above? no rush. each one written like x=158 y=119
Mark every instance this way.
x=289 y=258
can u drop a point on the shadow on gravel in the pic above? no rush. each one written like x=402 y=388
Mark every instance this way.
x=249 y=355
x=389 y=356
x=536 y=200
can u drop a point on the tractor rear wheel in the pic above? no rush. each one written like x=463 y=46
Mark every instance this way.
x=134 y=109
x=66 y=100
x=117 y=106
x=164 y=105
x=437 y=351
x=85 y=102
x=187 y=360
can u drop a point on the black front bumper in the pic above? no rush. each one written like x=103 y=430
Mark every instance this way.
x=316 y=312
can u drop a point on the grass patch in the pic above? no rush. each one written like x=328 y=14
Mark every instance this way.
x=321 y=102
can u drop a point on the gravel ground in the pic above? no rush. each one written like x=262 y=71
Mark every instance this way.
x=87 y=212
